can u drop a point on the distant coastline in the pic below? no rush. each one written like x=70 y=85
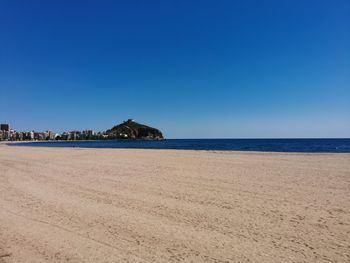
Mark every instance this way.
x=127 y=130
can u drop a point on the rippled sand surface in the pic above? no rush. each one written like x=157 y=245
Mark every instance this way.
x=115 y=205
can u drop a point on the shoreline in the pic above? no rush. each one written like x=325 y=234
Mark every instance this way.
x=8 y=143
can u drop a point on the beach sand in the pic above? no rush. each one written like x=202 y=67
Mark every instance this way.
x=116 y=205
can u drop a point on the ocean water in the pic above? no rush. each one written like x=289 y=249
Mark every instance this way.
x=260 y=145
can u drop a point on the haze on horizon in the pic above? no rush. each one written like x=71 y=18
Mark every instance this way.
x=194 y=69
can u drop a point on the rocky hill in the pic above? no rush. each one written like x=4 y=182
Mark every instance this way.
x=133 y=130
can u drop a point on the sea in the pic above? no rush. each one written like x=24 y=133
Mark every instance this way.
x=259 y=145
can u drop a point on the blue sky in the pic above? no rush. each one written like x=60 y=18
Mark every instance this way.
x=194 y=69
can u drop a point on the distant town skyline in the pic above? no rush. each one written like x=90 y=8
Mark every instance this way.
x=128 y=129
x=8 y=133
x=194 y=69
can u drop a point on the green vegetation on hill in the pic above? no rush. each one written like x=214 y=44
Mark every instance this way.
x=133 y=130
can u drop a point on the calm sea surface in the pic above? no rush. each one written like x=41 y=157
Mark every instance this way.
x=263 y=145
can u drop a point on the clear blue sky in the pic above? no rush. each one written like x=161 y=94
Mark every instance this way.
x=193 y=69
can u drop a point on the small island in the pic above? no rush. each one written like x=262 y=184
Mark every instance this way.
x=132 y=130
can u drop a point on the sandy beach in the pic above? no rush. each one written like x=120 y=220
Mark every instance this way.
x=123 y=205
